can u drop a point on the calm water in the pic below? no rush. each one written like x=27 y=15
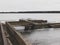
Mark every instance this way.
x=46 y=36
x=13 y=17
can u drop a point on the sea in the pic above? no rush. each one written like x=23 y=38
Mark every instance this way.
x=44 y=36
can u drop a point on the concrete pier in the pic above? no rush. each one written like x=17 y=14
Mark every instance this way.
x=9 y=35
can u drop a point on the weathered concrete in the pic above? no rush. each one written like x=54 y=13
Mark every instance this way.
x=1 y=39
x=39 y=21
x=4 y=35
x=16 y=38
x=34 y=24
x=9 y=36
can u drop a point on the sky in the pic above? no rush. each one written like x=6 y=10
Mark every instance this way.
x=23 y=5
x=30 y=5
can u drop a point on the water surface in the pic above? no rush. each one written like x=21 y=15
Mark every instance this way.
x=46 y=36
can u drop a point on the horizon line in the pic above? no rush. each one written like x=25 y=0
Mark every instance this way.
x=17 y=12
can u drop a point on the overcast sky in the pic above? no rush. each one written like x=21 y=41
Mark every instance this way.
x=30 y=5
x=17 y=5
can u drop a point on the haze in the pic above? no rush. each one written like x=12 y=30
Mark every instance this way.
x=30 y=5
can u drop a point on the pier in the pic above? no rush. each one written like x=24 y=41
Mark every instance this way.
x=9 y=35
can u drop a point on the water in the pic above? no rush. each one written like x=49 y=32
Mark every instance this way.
x=46 y=36
x=19 y=27
x=13 y=17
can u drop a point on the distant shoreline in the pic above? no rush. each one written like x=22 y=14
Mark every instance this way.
x=30 y=12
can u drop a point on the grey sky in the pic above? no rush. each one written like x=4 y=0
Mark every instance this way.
x=15 y=5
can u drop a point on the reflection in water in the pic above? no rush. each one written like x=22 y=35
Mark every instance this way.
x=46 y=36
x=20 y=28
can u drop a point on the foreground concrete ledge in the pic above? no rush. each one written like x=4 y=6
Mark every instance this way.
x=19 y=36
